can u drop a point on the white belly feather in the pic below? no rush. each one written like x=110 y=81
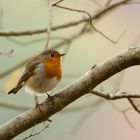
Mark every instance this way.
x=39 y=83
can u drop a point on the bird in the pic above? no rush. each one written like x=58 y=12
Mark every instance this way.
x=42 y=73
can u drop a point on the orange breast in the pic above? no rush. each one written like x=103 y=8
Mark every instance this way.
x=53 y=68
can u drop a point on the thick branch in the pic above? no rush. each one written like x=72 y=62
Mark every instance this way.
x=70 y=93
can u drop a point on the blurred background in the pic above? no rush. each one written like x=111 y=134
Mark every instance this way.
x=90 y=117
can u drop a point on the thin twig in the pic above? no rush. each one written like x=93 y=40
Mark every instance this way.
x=22 y=33
x=133 y=105
x=50 y=20
x=65 y=25
x=110 y=96
x=58 y=2
x=37 y=133
x=90 y=20
x=119 y=95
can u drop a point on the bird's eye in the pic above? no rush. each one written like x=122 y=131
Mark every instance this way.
x=52 y=55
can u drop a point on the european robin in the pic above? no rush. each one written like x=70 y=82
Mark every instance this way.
x=42 y=73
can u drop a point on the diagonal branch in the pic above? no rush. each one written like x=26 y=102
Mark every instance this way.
x=133 y=105
x=72 y=92
x=57 y=2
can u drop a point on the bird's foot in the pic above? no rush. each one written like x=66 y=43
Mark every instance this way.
x=37 y=106
x=50 y=98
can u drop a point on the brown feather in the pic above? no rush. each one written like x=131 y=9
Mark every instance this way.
x=29 y=71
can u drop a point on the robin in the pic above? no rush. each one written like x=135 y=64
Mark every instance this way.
x=42 y=73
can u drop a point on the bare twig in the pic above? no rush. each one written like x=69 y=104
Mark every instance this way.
x=50 y=20
x=37 y=133
x=110 y=96
x=120 y=95
x=58 y=2
x=90 y=20
x=133 y=105
x=65 y=25
x=22 y=33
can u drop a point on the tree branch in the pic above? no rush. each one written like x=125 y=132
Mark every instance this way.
x=50 y=19
x=90 y=20
x=70 y=93
x=65 y=25
x=110 y=96
x=118 y=95
x=133 y=105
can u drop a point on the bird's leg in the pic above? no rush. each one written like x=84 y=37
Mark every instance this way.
x=50 y=97
x=36 y=101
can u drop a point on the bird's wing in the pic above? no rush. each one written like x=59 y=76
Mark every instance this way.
x=29 y=71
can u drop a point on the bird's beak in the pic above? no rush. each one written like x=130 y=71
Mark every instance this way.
x=62 y=54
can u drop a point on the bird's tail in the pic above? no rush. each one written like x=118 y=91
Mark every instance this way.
x=15 y=90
